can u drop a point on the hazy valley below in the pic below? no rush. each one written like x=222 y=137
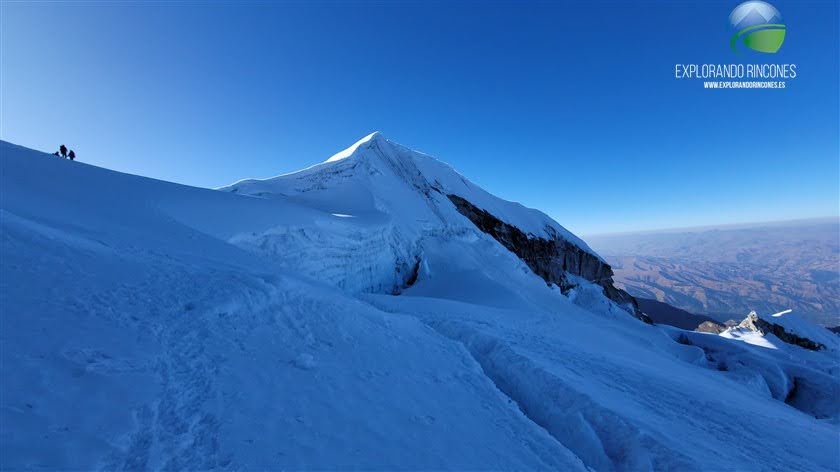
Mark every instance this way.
x=727 y=271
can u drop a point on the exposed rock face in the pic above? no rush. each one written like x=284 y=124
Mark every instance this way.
x=754 y=323
x=710 y=327
x=551 y=258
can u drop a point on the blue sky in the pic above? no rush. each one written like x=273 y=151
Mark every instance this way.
x=572 y=108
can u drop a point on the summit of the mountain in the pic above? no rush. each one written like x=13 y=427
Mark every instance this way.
x=368 y=140
x=414 y=198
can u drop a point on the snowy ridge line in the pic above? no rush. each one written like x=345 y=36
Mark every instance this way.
x=335 y=158
x=339 y=156
x=407 y=170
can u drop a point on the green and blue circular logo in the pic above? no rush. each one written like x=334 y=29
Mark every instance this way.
x=758 y=26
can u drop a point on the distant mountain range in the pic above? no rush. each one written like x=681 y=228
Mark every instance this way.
x=727 y=271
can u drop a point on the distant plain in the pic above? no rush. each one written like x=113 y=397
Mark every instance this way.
x=726 y=271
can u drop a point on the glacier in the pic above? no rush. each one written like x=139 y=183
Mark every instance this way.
x=350 y=316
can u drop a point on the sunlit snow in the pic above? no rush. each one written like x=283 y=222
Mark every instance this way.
x=149 y=325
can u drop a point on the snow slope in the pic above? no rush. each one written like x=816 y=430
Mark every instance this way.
x=148 y=325
x=134 y=336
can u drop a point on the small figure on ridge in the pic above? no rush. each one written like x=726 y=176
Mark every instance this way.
x=63 y=151
x=72 y=155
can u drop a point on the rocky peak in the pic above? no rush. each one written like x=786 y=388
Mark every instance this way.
x=757 y=324
x=710 y=327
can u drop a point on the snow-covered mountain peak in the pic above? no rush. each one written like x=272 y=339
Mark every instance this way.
x=396 y=174
x=382 y=155
x=366 y=141
x=413 y=199
x=377 y=175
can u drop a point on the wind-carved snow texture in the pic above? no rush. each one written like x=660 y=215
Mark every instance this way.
x=257 y=329
x=602 y=439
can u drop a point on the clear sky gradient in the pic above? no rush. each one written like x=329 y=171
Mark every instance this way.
x=571 y=108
